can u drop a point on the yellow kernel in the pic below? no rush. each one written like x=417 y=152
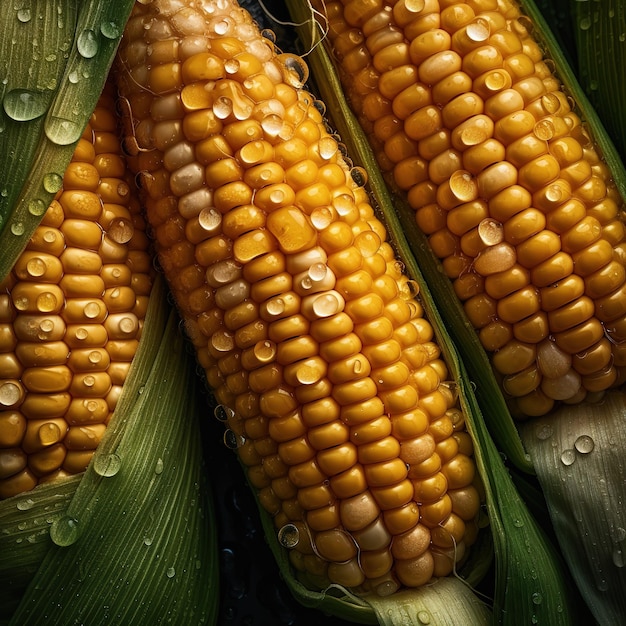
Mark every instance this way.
x=336 y=460
x=359 y=511
x=514 y=357
x=335 y=545
x=384 y=473
x=423 y=122
x=552 y=270
x=538 y=248
x=580 y=337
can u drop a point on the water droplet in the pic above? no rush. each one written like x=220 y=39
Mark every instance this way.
x=423 y=617
x=463 y=185
x=359 y=176
x=618 y=558
x=209 y=218
x=64 y=531
x=24 y=15
x=327 y=304
x=536 y=598
x=568 y=456
x=368 y=243
x=158 y=468
x=223 y=413
x=110 y=30
x=478 y=30
x=232 y=440
x=544 y=129
x=107 y=465
x=275 y=306
x=327 y=147
x=518 y=523
x=272 y=125
x=585 y=23
x=61 y=131
x=48 y=434
x=121 y=230
x=289 y=536
x=584 y=444
x=265 y=351
x=52 y=182
x=171 y=572
x=24 y=105
x=490 y=231
x=296 y=70
x=37 y=207
x=543 y=431
x=87 y=44
x=321 y=217
x=10 y=394
x=147 y=541
x=25 y=505
x=17 y=228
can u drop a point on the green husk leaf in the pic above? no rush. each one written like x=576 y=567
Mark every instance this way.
x=446 y=602
x=137 y=541
x=599 y=33
x=25 y=537
x=579 y=453
x=55 y=58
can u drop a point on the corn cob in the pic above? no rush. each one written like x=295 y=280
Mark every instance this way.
x=312 y=339
x=470 y=124
x=71 y=314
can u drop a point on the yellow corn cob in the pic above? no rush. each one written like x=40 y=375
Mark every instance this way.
x=312 y=339
x=468 y=120
x=71 y=313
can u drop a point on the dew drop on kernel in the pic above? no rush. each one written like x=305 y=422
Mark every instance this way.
x=490 y=231
x=265 y=351
x=209 y=218
x=223 y=413
x=321 y=217
x=478 y=30
x=296 y=71
x=121 y=230
x=289 y=536
x=275 y=306
x=232 y=440
x=415 y=6
x=327 y=147
x=36 y=267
